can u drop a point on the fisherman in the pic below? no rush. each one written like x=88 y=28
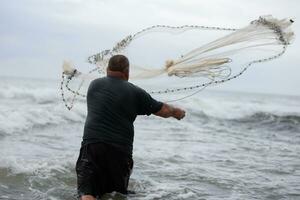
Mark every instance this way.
x=105 y=160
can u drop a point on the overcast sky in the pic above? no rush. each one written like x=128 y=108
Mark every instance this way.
x=37 y=35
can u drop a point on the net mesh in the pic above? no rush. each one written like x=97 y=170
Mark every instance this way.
x=194 y=64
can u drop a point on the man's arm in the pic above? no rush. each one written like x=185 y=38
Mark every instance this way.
x=170 y=111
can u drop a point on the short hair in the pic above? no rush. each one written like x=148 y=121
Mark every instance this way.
x=118 y=63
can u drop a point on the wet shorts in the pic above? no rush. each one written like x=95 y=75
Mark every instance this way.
x=102 y=168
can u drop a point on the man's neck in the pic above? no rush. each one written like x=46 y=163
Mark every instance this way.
x=117 y=74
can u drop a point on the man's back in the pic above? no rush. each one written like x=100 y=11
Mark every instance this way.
x=113 y=105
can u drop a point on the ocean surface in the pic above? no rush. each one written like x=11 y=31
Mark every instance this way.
x=229 y=146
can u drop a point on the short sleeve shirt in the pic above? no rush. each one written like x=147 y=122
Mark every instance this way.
x=113 y=105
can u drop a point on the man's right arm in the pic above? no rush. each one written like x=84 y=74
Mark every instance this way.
x=170 y=111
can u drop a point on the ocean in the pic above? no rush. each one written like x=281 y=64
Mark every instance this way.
x=230 y=146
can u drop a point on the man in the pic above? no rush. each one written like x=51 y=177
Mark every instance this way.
x=105 y=161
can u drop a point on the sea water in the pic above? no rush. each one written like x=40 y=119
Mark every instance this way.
x=229 y=146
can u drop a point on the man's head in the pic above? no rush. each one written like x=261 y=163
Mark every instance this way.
x=118 y=65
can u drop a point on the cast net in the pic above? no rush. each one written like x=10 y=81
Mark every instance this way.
x=173 y=63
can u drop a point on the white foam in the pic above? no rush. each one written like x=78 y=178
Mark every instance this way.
x=20 y=118
x=186 y=195
x=41 y=152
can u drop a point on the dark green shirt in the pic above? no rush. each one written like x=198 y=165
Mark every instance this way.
x=113 y=105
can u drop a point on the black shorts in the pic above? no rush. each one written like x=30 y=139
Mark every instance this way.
x=102 y=168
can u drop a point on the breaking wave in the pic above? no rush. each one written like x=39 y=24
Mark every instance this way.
x=270 y=118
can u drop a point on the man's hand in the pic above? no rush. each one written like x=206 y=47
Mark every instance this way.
x=179 y=113
x=170 y=111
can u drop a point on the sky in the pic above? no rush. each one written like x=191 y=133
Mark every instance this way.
x=37 y=35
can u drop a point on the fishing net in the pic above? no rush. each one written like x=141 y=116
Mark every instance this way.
x=173 y=63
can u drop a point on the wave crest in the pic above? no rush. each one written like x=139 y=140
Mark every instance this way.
x=260 y=117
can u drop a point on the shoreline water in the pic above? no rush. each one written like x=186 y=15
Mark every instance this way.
x=229 y=146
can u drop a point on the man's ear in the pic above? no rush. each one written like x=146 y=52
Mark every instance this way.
x=126 y=73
